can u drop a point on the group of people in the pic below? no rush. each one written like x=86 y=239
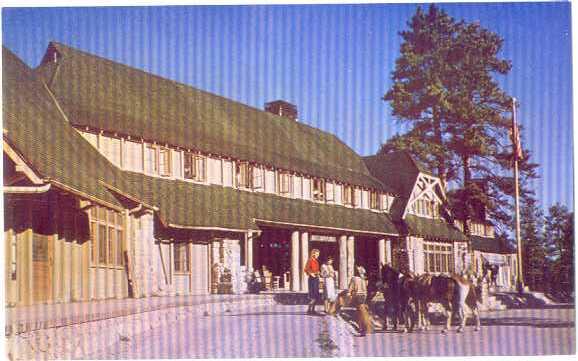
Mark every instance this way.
x=356 y=292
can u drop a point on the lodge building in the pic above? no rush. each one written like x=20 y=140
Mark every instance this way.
x=119 y=183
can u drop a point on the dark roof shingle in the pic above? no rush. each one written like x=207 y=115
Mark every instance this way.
x=103 y=94
x=188 y=204
x=34 y=126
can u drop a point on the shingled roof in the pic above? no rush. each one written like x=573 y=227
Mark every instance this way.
x=106 y=95
x=489 y=245
x=37 y=130
x=185 y=204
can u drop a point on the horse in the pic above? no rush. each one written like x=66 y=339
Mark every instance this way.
x=397 y=293
x=452 y=292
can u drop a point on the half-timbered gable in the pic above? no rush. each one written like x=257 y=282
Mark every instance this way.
x=429 y=241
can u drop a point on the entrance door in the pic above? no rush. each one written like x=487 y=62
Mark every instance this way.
x=367 y=254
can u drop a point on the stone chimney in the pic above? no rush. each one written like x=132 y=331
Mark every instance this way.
x=282 y=108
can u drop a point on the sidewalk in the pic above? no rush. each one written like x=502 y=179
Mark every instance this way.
x=43 y=316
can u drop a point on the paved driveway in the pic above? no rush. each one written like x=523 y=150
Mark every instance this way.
x=285 y=331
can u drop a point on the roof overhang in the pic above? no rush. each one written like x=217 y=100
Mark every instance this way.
x=322 y=228
x=21 y=165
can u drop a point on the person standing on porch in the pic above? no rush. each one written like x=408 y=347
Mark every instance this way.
x=328 y=274
x=312 y=270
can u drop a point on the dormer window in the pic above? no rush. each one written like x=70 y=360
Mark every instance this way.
x=165 y=162
x=258 y=174
x=319 y=190
x=347 y=195
x=374 y=200
x=356 y=197
x=330 y=191
x=151 y=160
x=243 y=175
x=195 y=167
x=285 y=183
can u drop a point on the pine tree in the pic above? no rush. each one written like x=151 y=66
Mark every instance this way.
x=443 y=87
x=559 y=236
x=534 y=252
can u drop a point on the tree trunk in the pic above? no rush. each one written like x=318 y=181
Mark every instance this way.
x=439 y=141
x=466 y=193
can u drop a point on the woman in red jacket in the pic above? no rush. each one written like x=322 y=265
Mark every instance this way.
x=312 y=270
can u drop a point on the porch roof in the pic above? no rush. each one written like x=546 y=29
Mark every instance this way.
x=188 y=204
x=489 y=245
x=431 y=228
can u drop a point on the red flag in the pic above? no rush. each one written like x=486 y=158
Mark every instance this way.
x=515 y=133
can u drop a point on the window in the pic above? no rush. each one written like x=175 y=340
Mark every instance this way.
x=270 y=184
x=182 y=257
x=347 y=195
x=384 y=202
x=195 y=167
x=165 y=161
x=106 y=236
x=297 y=186
x=438 y=257
x=318 y=190
x=243 y=175
x=227 y=173
x=133 y=157
x=258 y=177
x=306 y=188
x=284 y=183
x=330 y=191
x=151 y=161
x=373 y=200
x=356 y=197
x=176 y=163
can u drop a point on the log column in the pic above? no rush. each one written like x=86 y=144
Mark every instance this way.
x=388 y=255
x=350 y=256
x=295 y=274
x=382 y=252
x=343 y=262
x=249 y=251
x=304 y=258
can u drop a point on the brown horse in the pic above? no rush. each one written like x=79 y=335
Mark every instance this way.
x=452 y=292
x=398 y=289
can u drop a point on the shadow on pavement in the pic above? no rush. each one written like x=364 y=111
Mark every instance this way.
x=291 y=298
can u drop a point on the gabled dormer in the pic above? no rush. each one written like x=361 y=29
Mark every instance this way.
x=422 y=207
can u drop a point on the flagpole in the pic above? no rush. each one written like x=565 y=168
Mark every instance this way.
x=517 y=204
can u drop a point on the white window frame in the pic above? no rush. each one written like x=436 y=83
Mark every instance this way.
x=198 y=167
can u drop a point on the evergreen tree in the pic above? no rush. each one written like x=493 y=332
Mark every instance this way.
x=459 y=118
x=535 y=263
x=559 y=236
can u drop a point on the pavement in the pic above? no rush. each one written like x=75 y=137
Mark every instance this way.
x=42 y=316
x=278 y=330
x=265 y=325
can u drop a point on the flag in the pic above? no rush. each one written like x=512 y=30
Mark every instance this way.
x=515 y=134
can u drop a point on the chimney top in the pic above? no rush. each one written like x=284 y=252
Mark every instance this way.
x=282 y=108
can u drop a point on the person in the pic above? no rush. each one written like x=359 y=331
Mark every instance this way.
x=312 y=270
x=358 y=287
x=328 y=274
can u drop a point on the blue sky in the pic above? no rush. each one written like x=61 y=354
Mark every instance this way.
x=333 y=61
